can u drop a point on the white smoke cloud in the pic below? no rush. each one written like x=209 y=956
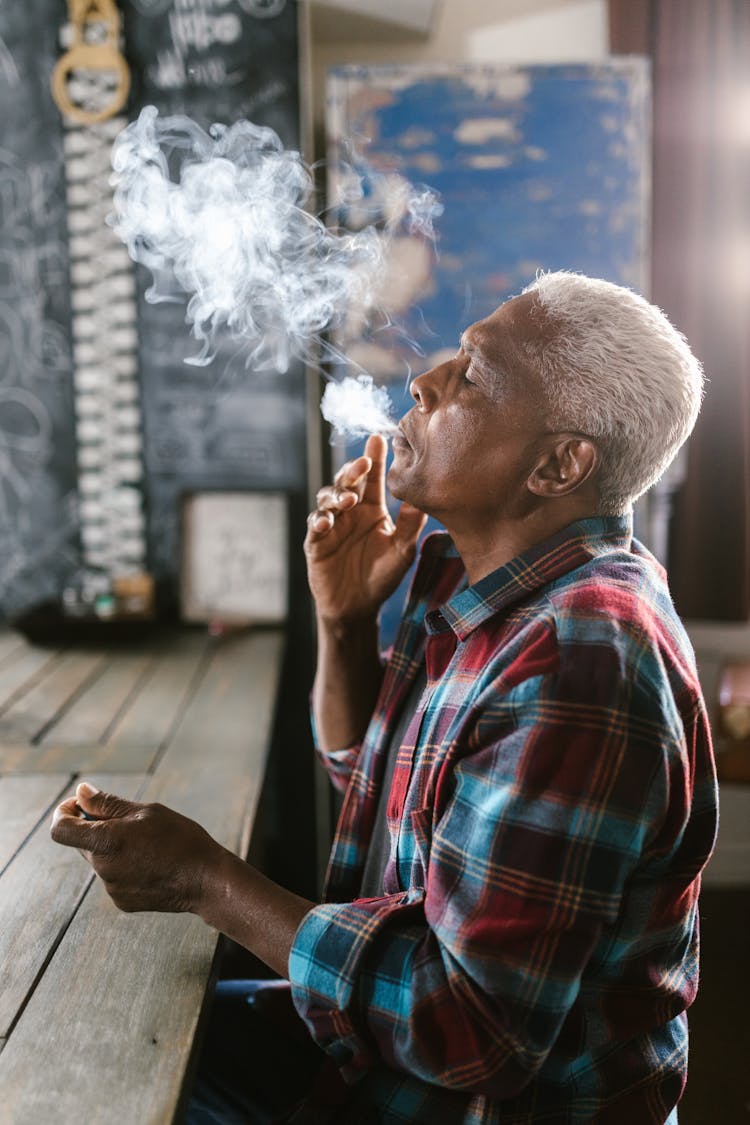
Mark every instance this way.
x=223 y=218
x=356 y=407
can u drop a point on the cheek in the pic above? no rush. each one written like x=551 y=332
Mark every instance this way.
x=460 y=444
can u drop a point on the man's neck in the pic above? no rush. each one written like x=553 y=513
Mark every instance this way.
x=487 y=549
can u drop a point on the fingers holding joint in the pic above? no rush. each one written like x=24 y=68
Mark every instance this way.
x=333 y=498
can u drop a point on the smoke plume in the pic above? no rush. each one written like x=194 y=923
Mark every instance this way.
x=223 y=217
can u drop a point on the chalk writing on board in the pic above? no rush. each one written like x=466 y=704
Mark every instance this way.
x=24 y=446
x=8 y=69
x=222 y=426
x=152 y=7
x=263 y=9
x=38 y=503
x=200 y=31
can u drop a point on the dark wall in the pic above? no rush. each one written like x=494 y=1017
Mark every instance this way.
x=38 y=523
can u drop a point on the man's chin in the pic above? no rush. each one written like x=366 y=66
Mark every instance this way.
x=395 y=481
x=401 y=487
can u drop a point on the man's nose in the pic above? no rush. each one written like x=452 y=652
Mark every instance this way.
x=425 y=388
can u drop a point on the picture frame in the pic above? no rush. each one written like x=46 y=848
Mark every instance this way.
x=234 y=561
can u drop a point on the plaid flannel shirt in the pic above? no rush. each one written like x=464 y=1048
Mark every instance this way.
x=553 y=803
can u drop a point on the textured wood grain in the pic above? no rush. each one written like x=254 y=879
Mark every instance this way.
x=124 y=993
x=96 y=709
x=49 y=695
x=112 y=1021
x=24 y=801
x=45 y=758
x=153 y=712
x=215 y=763
x=39 y=892
x=22 y=669
x=11 y=644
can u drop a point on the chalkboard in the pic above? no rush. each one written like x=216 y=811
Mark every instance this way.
x=39 y=548
x=213 y=427
x=218 y=426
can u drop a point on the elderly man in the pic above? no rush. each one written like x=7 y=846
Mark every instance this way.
x=510 y=926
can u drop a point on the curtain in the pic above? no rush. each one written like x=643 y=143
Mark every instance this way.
x=701 y=273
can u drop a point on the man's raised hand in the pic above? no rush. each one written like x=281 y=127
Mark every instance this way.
x=356 y=555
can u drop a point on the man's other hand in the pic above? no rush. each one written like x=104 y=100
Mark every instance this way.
x=148 y=856
x=356 y=555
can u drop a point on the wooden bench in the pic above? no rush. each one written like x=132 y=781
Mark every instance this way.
x=99 y=1011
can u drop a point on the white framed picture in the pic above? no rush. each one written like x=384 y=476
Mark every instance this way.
x=234 y=557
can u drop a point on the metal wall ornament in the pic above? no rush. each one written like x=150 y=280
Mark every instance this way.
x=93 y=50
x=90 y=84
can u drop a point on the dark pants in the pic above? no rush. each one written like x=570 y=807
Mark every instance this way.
x=260 y=1067
x=259 y=1063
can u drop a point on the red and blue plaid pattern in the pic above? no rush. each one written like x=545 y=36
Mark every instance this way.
x=553 y=804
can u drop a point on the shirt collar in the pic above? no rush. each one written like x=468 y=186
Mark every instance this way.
x=563 y=552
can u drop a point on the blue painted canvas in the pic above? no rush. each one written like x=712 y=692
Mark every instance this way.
x=537 y=167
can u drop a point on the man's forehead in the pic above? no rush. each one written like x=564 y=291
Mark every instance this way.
x=503 y=329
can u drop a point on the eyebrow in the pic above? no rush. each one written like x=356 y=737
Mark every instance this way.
x=475 y=352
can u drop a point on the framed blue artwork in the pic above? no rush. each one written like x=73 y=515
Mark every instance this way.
x=537 y=167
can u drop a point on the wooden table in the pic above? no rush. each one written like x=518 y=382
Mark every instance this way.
x=98 y=1009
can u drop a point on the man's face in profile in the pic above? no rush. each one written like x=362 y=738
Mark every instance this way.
x=464 y=451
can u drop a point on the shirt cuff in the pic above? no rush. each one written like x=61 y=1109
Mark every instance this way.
x=325 y=969
x=338 y=764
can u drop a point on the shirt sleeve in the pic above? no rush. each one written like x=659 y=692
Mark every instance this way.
x=555 y=790
x=339 y=764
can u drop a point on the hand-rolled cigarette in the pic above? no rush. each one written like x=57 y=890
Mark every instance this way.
x=83 y=815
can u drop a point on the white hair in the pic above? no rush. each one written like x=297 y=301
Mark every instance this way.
x=614 y=368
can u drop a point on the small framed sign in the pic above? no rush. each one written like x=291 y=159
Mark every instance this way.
x=235 y=557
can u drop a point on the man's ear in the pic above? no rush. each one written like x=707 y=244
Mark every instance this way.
x=564 y=466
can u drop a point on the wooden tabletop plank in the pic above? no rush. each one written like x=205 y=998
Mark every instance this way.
x=24 y=801
x=97 y=708
x=32 y=711
x=39 y=892
x=127 y=991
x=232 y=709
x=213 y=769
x=21 y=671
x=152 y=713
x=11 y=644
x=48 y=758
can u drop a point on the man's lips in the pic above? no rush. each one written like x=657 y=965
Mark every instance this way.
x=400 y=438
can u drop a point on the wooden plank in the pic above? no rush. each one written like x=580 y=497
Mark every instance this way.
x=22 y=671
x=97 y=708
x=113 y=1020
x=30 y=713
x=224 y=734
x=42 y=758
x=148 y=972
x=154 y=711
x=39 y=893
x=24 y=801
x=11 y=644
